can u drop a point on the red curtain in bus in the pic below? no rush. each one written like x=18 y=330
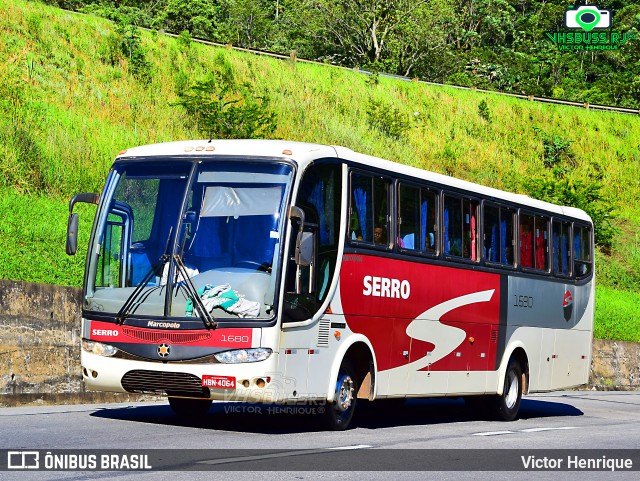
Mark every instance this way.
x=526 y=246
x=540 y=250
x=473 y=233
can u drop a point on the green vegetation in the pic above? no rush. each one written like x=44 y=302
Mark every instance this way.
x=75 y=90
x=221 y=109
x=617 y=315
x=505 y=45
x=32 y=236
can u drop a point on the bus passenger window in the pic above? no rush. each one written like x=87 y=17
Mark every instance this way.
x=542 y=243
x=470 y=226
x=428 y=220
x=369 y=209
x=498 y=234
x=582 y=250
x=561 y=248
x=534 y=242
x=460 y=218
x=491 y=233
x=409 y=222
x=416 y=229
x=452 y=219
x=526 y=240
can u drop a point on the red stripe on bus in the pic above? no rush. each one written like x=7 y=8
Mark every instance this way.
x=111 y=333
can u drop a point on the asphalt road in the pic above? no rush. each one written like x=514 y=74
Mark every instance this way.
x=386 y=436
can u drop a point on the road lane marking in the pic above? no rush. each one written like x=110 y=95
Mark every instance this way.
x=536 y=430
x=493 y=433
x=528 y=430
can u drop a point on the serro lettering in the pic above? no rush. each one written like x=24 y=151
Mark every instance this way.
x=104 y=332
x=386 y=287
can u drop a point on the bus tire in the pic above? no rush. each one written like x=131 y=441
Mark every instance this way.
x=189 y=408
x=507 y=405
x=338 y=414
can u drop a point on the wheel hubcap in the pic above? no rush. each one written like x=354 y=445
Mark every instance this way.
x=344 y=393
x=512 y=390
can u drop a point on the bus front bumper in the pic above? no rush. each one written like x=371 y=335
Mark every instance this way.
x=250 y=382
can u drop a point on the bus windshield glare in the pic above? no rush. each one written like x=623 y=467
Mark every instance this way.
x=168 y=229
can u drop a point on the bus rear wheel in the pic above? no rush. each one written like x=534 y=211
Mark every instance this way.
x=507 y=404
x=189 y=408
x=339 y=413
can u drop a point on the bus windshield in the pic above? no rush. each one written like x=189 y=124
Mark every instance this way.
x=168 y=229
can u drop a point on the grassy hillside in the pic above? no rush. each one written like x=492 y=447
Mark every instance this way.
x=71 y=98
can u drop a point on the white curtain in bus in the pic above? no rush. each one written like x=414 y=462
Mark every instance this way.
x=220 y=201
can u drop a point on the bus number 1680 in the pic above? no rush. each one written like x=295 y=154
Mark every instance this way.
x=522 y=301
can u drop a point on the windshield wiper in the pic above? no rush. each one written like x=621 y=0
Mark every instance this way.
x=124 y=311
x=192 y=293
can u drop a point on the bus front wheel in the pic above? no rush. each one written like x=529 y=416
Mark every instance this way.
x=339 y=413
x=189 y=408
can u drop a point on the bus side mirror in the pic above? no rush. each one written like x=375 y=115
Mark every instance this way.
x=305 y=241
x=72 y=222
x=304 y=252
x=72 y=234
x=305 y=249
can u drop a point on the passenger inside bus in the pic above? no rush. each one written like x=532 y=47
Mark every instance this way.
x=379 y=235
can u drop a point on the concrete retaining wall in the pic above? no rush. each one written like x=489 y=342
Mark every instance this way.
x=40 y=348
x=615 y=365
x=39 y=338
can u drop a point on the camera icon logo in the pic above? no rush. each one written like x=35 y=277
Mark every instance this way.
x=587 y=17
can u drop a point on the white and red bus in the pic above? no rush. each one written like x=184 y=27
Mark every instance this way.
x=274 y=271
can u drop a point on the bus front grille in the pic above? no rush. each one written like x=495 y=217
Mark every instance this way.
x=174 y=337
x=169 y=383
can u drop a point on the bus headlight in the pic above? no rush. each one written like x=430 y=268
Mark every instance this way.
x=99 y=348
x=243 y=355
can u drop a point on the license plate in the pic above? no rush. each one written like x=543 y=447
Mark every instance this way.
x=219 y=382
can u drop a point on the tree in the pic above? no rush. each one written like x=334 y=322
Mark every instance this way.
x=201 y=18
x=249 y=22
x=360 y=29
x=221 y=109
x=481 y=22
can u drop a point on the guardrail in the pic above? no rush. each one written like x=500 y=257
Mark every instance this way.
x=294 y=58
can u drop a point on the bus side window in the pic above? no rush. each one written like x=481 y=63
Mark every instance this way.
x=534 y=242
x=409 y=218
x=561 y=248
x=428 y=220
x=470 y=227
x=581 y=250
x=526 y=240
x=452 y=220
x=498 y=234
x=491 y=233
x=460 y=218
x=361 y=228
x=369 y=209
x=111 y=263
x=542 y=243
x=507 y=222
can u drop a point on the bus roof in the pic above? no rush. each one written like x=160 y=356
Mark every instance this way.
x=305 y=153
